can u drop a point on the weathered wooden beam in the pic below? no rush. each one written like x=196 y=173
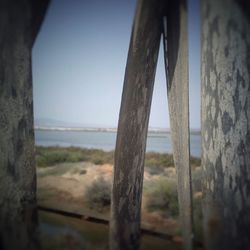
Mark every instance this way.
x=18 y=27
x=225 y=75
x=133 y=126
x=176 y=64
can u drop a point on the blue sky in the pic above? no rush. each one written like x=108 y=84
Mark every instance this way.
x=79 y=60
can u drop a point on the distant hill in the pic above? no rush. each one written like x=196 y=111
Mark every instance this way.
x=52 y=123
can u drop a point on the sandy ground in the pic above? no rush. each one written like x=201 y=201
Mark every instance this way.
x=63 y=186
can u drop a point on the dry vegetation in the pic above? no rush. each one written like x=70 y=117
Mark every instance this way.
x=80 y=179
x=49 y=156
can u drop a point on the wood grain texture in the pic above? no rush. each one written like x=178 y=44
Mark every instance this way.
x=18 y=218
x=226 y=123
x=176 y=63
x=133 y=126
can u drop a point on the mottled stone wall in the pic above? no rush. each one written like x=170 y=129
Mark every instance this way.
x=133 y=126
x=226 y=123
x=19 y=23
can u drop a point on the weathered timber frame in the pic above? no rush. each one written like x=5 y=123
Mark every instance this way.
x=148 y=26
x=176 y=64
x=20 y=21
x=133 y=126
x=225 y=78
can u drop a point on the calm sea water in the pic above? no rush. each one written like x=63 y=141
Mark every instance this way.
x=106 y=140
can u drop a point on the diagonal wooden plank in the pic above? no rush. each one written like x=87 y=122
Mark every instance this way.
x=133 y=126
x=176 y=64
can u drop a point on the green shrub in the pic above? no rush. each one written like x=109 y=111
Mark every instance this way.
x=162 y=195
x=197 y=179
x=84 y=171
x=195 y=161
x=157 y=159
x=98 y=161
x=49 y=156
x=197 y=212
x=155 y=170
x=98 y=194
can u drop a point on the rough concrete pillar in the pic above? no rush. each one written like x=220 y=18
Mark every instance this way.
x=176 y=63
x=19 y=23
x=225 y=74
x=133 y=126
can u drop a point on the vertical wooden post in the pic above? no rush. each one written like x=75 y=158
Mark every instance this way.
x=133 y=126
x=225 y=76
x=19 y=23
x=176 y=64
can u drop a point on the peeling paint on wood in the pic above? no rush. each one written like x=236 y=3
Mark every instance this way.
x=225 y=75
x=133 y=126
x=19 y=23
x=176 y=64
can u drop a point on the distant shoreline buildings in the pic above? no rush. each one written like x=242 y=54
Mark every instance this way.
x=113 y=130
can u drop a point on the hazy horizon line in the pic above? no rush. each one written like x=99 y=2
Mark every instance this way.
x=104 y=129
x=49 y=123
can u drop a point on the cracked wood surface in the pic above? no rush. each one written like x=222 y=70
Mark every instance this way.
x=226 y=123
x=176 y=64
x=19 y=23
x=133 y=126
